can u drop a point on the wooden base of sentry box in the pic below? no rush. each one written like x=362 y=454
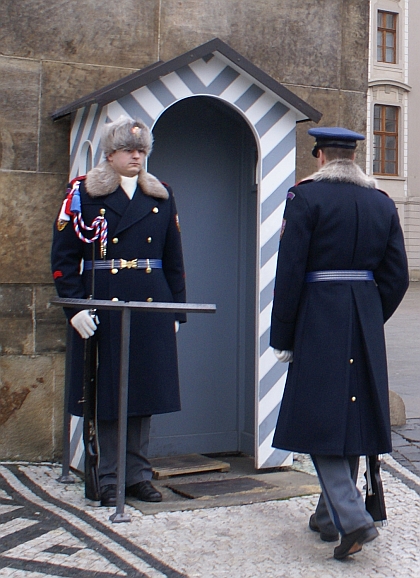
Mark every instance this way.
x=167 y=467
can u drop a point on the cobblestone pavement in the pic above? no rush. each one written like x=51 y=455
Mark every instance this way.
x=46 y=530
x=406 y=444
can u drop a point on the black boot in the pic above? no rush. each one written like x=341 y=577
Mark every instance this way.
x=144 y=491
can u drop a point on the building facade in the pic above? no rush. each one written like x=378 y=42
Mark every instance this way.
x=56 y=52
x=393 y=122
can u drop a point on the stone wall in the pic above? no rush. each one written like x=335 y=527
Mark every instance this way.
x=54 y=52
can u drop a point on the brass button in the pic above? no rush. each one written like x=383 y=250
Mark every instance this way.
x=155 y=210
x=115 y=299
x=148 y=270
x=149 y=299
x=149 y=239
x=115 y=240
x=114 y=271
x=351 y=360
x=353 y=398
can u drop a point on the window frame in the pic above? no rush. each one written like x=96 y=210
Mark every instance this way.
x=383 y=134
x=383 y=30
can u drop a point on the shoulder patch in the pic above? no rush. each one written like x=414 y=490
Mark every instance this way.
x=290 y=196
x=61 y=224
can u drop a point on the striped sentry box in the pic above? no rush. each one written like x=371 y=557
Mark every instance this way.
x=273 y=122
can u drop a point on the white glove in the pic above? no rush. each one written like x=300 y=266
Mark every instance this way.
x=176 y=326
x=284 y=356
x=84 y=323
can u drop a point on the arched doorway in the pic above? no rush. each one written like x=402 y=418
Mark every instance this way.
x=206 y=151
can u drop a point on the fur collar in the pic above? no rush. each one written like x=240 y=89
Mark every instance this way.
x=344 y=171
x=104 y=180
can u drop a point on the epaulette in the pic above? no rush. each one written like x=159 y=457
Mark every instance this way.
x=71 y=203
x=303 y=181
x=383 y=192
x=81 y=178
x=168 y=187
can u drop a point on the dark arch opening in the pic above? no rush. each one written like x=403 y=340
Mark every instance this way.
x=206 y=151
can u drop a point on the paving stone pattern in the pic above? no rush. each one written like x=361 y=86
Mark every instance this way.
x=46 y=530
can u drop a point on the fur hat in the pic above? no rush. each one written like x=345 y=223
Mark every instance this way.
x=128 y=134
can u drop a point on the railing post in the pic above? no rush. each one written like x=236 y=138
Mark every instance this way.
x=65 y=477
x=119 y=515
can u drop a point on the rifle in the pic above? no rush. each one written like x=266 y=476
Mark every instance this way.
x=92 y=488
x=375 y=499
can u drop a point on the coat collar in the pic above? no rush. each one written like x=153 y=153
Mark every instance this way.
x=129 y=211
x=104 y=180
x=343 y=171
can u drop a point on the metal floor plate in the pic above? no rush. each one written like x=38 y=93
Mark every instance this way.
x=209 y=489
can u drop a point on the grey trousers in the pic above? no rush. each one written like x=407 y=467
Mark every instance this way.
x=341 y=506
x=138 y=467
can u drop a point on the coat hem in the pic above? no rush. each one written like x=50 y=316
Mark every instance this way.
x=318 y=452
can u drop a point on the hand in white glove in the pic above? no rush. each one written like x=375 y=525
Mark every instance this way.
x=284 y=356
x=176 y=326
x=84 y=323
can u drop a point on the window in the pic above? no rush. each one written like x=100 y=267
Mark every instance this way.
x=385 y=140
x=387 y=37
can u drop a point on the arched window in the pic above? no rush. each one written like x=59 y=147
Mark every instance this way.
x=85 y=158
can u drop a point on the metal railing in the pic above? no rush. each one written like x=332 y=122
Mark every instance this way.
x=126 y=307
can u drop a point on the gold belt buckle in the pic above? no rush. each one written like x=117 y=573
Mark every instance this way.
x=128 y=264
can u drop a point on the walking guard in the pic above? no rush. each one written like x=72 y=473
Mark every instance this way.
x=117 y=237
x=341 y=273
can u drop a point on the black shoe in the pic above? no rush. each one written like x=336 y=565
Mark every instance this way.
x=109 y=495
x=313 y=525
x=353 y=542
x=144 y=491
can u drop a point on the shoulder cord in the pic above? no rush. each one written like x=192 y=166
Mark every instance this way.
x=99 y=224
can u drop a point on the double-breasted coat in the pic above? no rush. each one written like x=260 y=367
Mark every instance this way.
x=145 y=227
x=335 y=400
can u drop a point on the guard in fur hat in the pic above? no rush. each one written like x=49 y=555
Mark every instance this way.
x=130 y=218
x=341 y=274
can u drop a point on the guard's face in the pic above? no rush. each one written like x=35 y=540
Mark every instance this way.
x=127 y=163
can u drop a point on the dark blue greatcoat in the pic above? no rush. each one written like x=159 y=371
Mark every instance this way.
x=336 y=395
x=145 y=227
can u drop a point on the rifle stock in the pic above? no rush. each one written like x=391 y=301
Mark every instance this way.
x=92 y=489
x=375 y=499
